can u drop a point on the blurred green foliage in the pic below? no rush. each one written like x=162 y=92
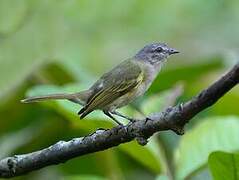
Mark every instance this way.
x=224 y=165
x=63 y=46
x=200 y=141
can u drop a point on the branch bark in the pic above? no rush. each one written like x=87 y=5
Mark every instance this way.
x=173 y=118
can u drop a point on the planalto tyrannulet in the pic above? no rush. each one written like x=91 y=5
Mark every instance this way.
x=120 y=86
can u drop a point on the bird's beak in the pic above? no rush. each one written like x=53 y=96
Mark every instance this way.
x=173 y=51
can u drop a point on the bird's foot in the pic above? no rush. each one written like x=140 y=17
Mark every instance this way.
x=132 y=120
x=147 y=119
x=107 y=113
x=181 y=106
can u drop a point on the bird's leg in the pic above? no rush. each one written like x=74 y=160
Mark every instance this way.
x=123 y=116
x=112 y=117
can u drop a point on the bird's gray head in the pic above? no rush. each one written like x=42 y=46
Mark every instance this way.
x=155 y=53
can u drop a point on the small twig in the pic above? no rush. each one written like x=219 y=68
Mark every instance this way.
x=171 y=119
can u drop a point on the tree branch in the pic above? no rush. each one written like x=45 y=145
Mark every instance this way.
x=173 y=118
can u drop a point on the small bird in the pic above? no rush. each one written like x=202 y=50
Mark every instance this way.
x=121 y=85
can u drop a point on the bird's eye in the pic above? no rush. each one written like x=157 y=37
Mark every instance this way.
x=158 y=49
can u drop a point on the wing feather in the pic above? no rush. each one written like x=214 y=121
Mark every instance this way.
x=122 y=79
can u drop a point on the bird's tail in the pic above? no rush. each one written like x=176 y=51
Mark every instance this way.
x=80 y=97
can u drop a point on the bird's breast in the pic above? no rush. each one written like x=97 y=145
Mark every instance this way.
x=150 y=73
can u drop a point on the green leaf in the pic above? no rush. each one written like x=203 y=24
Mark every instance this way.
x=149 y=155
x=11 y=141
x=162 y=177
x=154 y=103
x=213 y=134
x=12 y=15
x=32 y=45
x=157 y=102
x=224 y=165
x=84 y=177
x=186 y=73
x=228 y=105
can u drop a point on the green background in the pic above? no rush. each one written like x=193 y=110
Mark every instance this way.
x=49 y=46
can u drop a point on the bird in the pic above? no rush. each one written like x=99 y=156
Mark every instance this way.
x=121 y=85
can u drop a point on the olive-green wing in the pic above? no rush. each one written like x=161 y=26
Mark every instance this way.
x=122 y=79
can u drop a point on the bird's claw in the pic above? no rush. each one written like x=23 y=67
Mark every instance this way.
x=147 y=119
x=181 y=106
